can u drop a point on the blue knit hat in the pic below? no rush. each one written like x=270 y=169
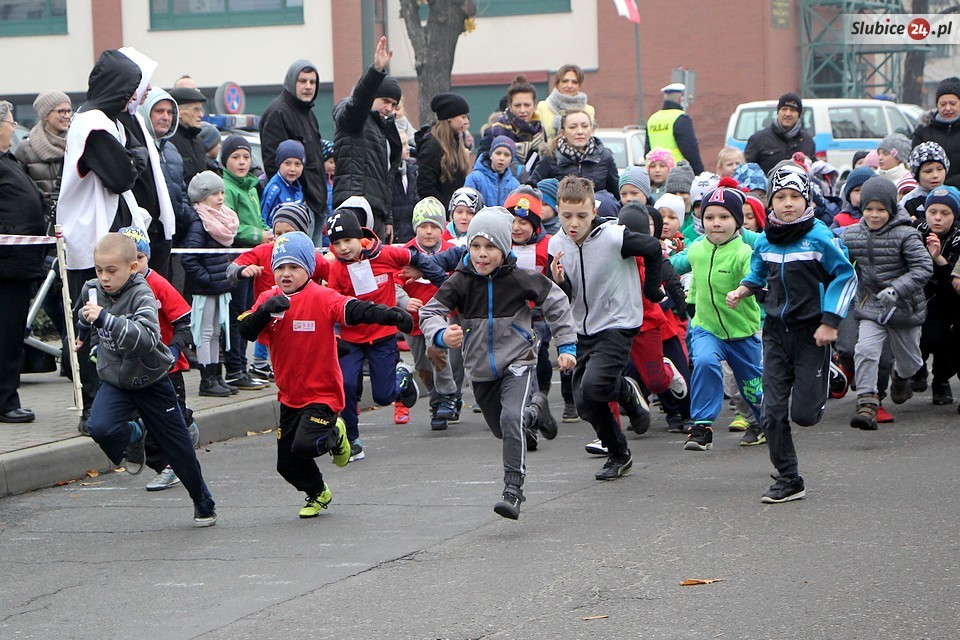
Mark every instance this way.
x=290 y=149
x=296 y=248
x=506 y=143
x=141 y=238
x=855 y=179
x=945 y=195
x=751 y=177
x=549 y=189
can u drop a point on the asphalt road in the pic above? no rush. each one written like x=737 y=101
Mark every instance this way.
x=411 y=547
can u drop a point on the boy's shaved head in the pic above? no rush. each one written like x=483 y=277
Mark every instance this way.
x=574 y=190
x=119 y=245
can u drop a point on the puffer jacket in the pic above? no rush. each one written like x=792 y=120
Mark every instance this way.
x=206 y=272
x=493 y=186
x=47 y=174
x=892 y=256
x=599 y=166
x=360 y=148
x=945 y=134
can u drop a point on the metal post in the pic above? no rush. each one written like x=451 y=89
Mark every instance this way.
x=641 y=120
x=71 y=334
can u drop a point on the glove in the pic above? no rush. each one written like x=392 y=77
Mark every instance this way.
x=400 y=319
x=888 y=297
x=276 y=304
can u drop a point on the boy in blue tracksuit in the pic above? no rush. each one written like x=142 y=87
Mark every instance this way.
x=491 y=174
x=811 y=283
x=284 y=186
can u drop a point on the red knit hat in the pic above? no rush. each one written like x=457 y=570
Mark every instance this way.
x=759 y=212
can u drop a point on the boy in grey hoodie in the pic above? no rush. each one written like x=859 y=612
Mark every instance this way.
x=120 y=315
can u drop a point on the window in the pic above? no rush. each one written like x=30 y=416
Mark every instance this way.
x=214 y=14
x=493 y=8
x=898 y=122
x=858 y=122
x=33 y=17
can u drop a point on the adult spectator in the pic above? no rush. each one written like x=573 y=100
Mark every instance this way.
x=520 y=122
x=43 y=150
x=577 y=152
x=672 y=129
x=187 y=136
x=566 y=95
x=367 y=146
x=405 y=195
x=783 y=138
x=443 y=155
x=289 y=116
x=21 y=213
x=185 y=82
x=942 y=125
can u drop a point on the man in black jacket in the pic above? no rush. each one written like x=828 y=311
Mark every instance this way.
x=187 y=138
x=289 y=116
x=367 y=145
x=781 y=139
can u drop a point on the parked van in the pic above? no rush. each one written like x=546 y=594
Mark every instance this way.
x=840 y=127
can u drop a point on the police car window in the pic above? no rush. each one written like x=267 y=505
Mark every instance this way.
x=898 y=123
x=753 y=120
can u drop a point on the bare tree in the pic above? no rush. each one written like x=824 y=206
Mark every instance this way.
x=435 y=43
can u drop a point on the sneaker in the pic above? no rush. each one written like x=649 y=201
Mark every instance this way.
x=164 y=480
x=409 y=393
x=446 y=408
x=942 y=393
x=531 y=437
x=784 y=490
x=509 y=504
x=82 y=426
x=262 y=371
x=866 y=416
x=457 y=406
x=356 y=451
x=570 y=412
x=675 y=423
x=918 y=382
x=839 y=380
x=596 y=448
x=476 y=408
x=701 y=439
x=739 y=423
x=546 y=422
x=884 y=416
x=244 y=381
x=341 y=449
x=204 y=518
x=687 y=427
x=401 y=415
x=135 y=456
x=616 y=467
x=900 y=390
x=315 y=504
x=637 y=408
x=437 y=424
x=753 y=436
x=194 y=430
x=678 y=386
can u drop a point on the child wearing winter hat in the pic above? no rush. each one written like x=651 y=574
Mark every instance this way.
x=893 y=153
x=635 y=186
x=501 y=372
x=491 y=174
x=284 y=186
x=672 y=210
x=850 y=210
x=754 y=215
x=548 y=211
x=297 y=317
x=464 y=204
x=679 y=182
x=659 y=164
x=929 y=164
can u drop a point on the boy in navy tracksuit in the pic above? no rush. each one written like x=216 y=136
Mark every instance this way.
x=811 y=284
x=284 y=186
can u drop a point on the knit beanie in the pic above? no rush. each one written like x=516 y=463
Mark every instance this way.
x=326 y=149
x=872 y=160
x=635 y=217
x=855 y=179
x=673 y=202
x=429 y=211
x=897 y=145
x=549 y=188
x=661 y=155
x=139 y=236
x=789 y=175
x=608 y=207
x=526 y=202
x=361 y=209
x=203 y=185
x=231 y=144
x=791 y=100
x=759 y=212
x=209 y=135
x=945 y=195
x=637 y=177
x=296 y=248
x=46 y=101
x=906 y=184
x=389 y=88
x=503 y=141
x=679 y=179
x=343 y=224
x=293 y=213
x=927 y=152
x=751 y=177
x=290 y=149
x=702 y=184
x=730 y=199
x=948 y=86
x=449 y=105
x=466 y=197
x=495 y=224
x=882 y=190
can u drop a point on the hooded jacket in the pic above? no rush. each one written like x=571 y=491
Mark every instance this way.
x=240 y=194
x=598 y=166
x=947 y=135
x=493 y=186
x=287 y=117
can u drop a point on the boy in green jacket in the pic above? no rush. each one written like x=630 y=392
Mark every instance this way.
x=718 y=333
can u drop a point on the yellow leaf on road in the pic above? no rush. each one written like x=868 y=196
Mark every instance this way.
x=691 y=582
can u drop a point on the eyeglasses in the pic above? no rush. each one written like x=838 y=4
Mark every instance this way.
x=13 y=123
x=64 y=112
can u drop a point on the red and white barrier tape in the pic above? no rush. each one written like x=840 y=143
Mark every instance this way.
x=10 y=240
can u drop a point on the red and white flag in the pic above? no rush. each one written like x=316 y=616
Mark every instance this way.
x=628 y=9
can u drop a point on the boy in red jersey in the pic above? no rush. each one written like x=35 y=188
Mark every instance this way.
x=295 y=318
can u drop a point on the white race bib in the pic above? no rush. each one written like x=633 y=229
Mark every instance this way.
x=361 y=276
x=526 y=256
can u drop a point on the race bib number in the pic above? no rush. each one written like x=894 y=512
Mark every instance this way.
x=361 y=277
x=304 y=325
x=526 y=256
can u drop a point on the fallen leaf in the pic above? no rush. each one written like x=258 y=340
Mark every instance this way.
x=595 y=618
x=92 y=473
x=267 y=431
x=691 y=582
x=251 y=433
x=90 y=484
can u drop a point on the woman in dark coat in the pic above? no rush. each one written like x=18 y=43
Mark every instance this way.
x=942 y=126
x=577 y=152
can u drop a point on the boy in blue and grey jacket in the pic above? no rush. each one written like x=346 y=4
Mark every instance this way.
x=811 y=284
x=491 y=174
x=120 y=315
x=284 y=186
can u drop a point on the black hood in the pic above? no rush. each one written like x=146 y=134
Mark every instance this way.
x=112 y=83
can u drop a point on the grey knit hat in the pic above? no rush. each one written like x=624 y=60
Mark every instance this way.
x=203 y=185
x=897 y=145
x=46 y=101
x=295 y=214
x=494 y=224
x=639 y=178
x=881 y=189
x=679 y=179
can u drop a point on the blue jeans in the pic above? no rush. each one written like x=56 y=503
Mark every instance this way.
x=382 y=357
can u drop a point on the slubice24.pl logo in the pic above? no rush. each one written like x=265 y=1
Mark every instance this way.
x=899 y=29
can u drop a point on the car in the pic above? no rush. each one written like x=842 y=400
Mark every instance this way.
x=20 y=133
x=913 y=113
x=840 y=127
x=626 y=144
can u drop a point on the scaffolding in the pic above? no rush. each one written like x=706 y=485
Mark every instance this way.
x=831 y=68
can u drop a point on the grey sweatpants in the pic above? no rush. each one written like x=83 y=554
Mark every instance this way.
x=503 y=402
x=904 y=346
x=444 y=382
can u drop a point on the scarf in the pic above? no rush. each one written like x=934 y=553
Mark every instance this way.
x=940 y=118
x=779 y=232
x=566 y=149
x=220 y=223
x=560 y=102
x=48 y=146
x=783 y=133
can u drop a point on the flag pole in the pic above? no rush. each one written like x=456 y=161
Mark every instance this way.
x=636 y=41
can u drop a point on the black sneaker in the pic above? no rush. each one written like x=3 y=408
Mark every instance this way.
x=784 y=490
x=615 y=467
x=446 y=408
x=509 y=504
x=636 y=408
x=437 y=423
x=263 y=372
x=675 y=423
x=546 y=422
x=409 y=393
x=243 y=381
x=918 y=382
x=204 y=517
x=900 y=390
x=753 y=436
x=135 y=456
x=701 y=439
x=942 y=393
x=570 y=412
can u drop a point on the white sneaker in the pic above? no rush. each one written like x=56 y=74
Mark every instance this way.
x=596 y=448
x=678 y=386
x=164 y=480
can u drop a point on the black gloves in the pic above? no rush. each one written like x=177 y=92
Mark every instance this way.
x=363 y=312
x=400 y=319
x=276 y=304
